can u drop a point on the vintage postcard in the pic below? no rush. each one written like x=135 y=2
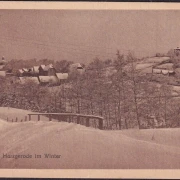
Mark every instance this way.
x=89 y=90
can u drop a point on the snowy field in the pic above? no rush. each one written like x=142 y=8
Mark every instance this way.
x=76 y=146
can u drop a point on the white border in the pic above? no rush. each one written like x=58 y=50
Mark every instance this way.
x=89 y=5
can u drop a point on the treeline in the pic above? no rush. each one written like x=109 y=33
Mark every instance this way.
x=112 y=89
x=126 y=99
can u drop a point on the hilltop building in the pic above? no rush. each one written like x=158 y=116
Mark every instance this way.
x=177 y=51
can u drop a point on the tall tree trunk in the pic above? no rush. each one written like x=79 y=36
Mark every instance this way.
x=135 y=95
x=119 y=108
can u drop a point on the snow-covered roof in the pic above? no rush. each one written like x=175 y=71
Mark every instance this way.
x=157 y=71
x=46 y=68
x=42 y=66
x=168 y=66
x=48 y=79
x=26 y=79
x=165 y=72
x=76 y=65
x=2 y=62
x=3 y=73
x=21 y=71
x=62 y=75
x=36 y=69
x=1 y=66
x=25 y=69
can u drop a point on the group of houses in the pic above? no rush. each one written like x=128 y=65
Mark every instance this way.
x=165 y=69
x=46 y=74
x=43 y=74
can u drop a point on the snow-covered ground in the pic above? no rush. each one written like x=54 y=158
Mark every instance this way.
x=77 y=146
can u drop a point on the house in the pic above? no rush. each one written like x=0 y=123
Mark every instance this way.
x=41 y=70
x=177 y=51
x=48 y=80
x=28 y=79
x=2 y=73
x=35 y=70
x=20 y=72
x=25 y=69
x=62 y=77
x=48 y=70
x=23 y=72
x=76 y=67
x=9 y=74
x=165 y=69
x=156 y=71
x=3 y=61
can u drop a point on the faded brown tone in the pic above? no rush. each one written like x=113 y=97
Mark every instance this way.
x=82 y=35
x=150 y=45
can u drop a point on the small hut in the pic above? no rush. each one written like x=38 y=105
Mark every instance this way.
x=177 y=51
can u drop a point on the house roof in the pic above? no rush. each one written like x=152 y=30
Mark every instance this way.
x=21 y=71
x=62 y=75
x=158 y=71
x=3 y=62
x=30 y=69
x=177 y=70
x=25 y=69
x=36 y=69
x=165 y=72
x=168 y=66
x=48 y=79
x=3 y=73
x=1 y=66
x=177 y=48
x=42 y=66
x=26 y=79
x=156 y=59
x=46 y=68
x=76 y=65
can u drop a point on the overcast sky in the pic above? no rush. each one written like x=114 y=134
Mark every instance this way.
x=81 y=36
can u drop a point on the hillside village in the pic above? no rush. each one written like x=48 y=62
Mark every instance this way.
x=43 y=74
x=160 y=69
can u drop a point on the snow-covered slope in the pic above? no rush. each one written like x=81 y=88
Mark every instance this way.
x=80 y=147
x=76 y=146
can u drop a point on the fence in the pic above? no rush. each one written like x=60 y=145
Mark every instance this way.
x=59 y=116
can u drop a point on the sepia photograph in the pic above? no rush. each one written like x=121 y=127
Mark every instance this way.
x=89 y=89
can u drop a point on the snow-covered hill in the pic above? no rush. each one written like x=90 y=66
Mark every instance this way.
x=74 y=146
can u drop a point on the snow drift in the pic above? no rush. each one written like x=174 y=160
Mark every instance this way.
x=64 y=145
